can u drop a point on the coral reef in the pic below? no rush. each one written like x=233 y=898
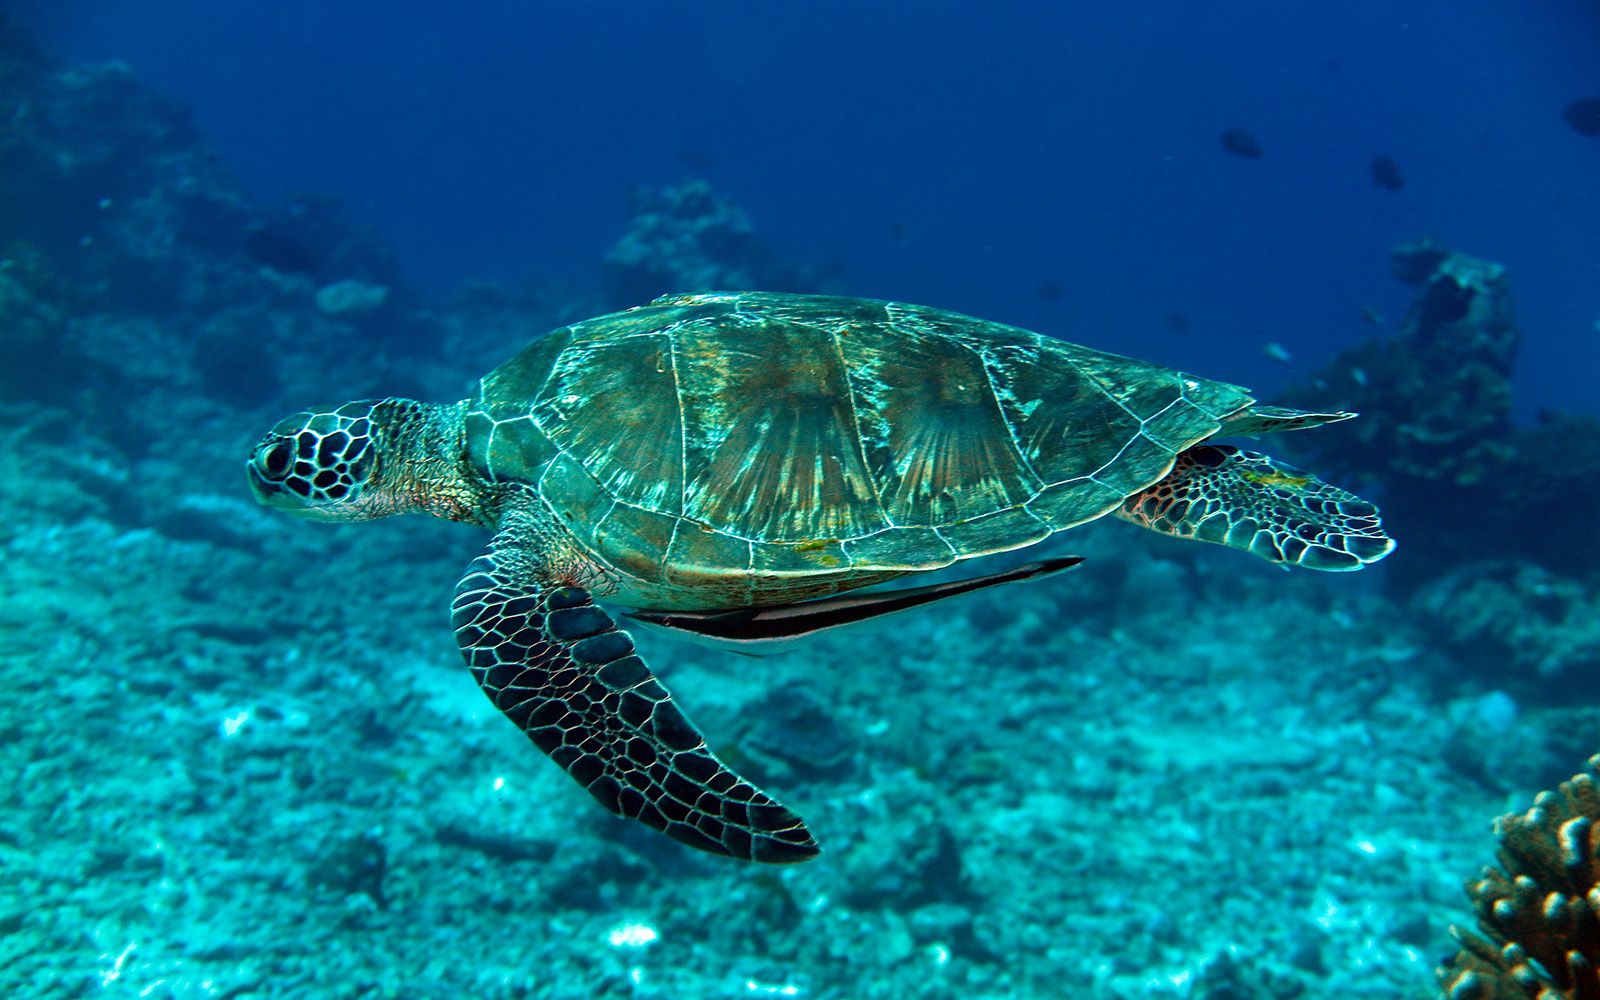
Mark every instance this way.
x=1515 y=620
x=130 y=253
x=1436 y=430
x=351 y=297
x=32 y=332
x=1435 y=398
x=315 y=237
x=1539 y=911
x=690 y=239
x=245 y=761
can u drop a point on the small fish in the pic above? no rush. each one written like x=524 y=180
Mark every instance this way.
x=1372 y=317
x=1584 y=115
x=1177 y=322
x=1277 y=352
x=1359 y=376
x=1241 y=143
x=1050 y=291
x=1386 y=174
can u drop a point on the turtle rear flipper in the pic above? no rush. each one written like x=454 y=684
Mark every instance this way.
x=1218 y=493
x=559 y=668
x=753 y=628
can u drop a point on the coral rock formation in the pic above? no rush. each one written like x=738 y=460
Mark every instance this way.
x=691 y=239
x=1538 y=911
x=1514 y=619
x=1436 y=429
x=1436 y=397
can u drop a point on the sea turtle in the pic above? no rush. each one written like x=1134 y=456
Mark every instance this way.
x=726 y=463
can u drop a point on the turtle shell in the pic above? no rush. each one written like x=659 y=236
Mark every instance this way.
x=754 y=436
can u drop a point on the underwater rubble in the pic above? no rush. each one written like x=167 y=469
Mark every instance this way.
x=245 y=762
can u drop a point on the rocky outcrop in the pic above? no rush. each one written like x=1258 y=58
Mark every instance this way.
x=691 y=239
x=1458 y=481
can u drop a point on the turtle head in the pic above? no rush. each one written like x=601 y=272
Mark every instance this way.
x=323 y=464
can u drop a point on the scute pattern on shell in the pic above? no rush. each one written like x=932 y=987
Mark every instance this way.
x=794 y=434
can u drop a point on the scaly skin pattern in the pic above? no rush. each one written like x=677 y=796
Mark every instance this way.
x=1247 y=501
x=369 y=459
x=561 y=670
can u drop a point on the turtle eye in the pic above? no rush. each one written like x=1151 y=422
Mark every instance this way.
x=273 y=460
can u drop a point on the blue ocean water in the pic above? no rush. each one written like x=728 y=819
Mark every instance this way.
x=245 y=760
x=952 y=153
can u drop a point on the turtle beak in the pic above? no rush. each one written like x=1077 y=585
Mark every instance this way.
x=263 y=491
x=258 y=489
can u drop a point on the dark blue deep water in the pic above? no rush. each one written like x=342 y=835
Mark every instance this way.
x=240 y=757
x=959 y=154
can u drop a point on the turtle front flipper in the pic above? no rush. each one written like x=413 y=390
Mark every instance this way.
x=1218 y=493
x=558 y=666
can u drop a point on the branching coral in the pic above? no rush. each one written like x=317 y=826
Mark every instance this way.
x=1538 y=911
